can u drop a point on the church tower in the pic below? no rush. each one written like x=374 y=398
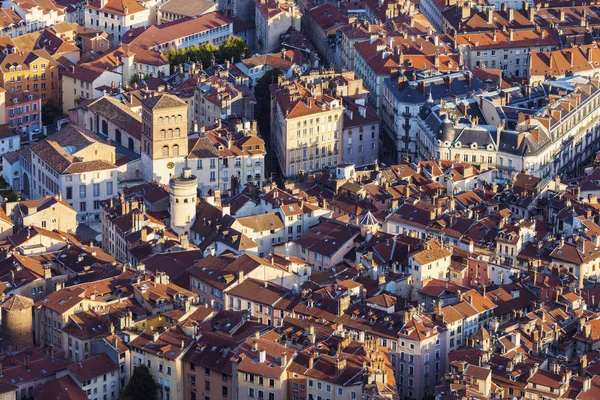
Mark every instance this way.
x=164 y=137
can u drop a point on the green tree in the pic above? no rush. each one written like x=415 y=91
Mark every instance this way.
x=234 y=47
x=50 y=112
x=204 y=53
x=141 y=386
x=134 y=78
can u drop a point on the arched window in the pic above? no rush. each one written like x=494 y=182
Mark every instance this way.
x=166 y=120
x=118 y=136
x=170 y=134
x=165 y=151
x=104 y=127
x=163 y=134
x=179 y=118
x=130 y=144
x=177 y=132
x=175 y=150
x=173 y=119
x=91 y=124
x=160 y=120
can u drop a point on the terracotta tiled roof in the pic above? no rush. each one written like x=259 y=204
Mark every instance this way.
x=24 y=59
x=62 y=300
x=118 y=113
x=9 y=18
x=60 y=151
x=157 y=35
x=328 y=17
x=93 y=367
x=272 y=60
x=433 y=252
x=560 y=62
x=63 y=388
x=328 y=237
x=122 y=7
x=85 y=72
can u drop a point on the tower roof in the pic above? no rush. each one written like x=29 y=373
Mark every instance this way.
x=17 y=302
x=163 y=101
x=369 y=219
x=481 y=334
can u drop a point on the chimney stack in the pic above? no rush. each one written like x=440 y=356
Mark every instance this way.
x=531 y=12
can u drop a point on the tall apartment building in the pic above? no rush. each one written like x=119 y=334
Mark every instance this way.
x=402 y=102
x=116 y=16
x=75 y=164
x=538 y=138
x=508 y=51
x=166 y=367
x=30 y=16
x=241 y=156
x=218 y=99
x=227 y=158
x=34 y=71
x=24 y=110
x=360 y=139
x=306 y=127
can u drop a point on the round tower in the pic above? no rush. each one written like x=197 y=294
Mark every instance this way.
x=369 y=226
x=17 y=323
x=184 y=190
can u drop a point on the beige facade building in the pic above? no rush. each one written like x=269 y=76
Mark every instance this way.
x=166 y=367
x=306 y=127
x=47 y=212
x=51 y=315
x=81 y=82
x=74 y=163
x=260 y=369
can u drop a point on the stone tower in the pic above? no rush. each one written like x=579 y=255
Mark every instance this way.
x=164 y=137
x=369 y=226
x=17 y=323
x=183 y=193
